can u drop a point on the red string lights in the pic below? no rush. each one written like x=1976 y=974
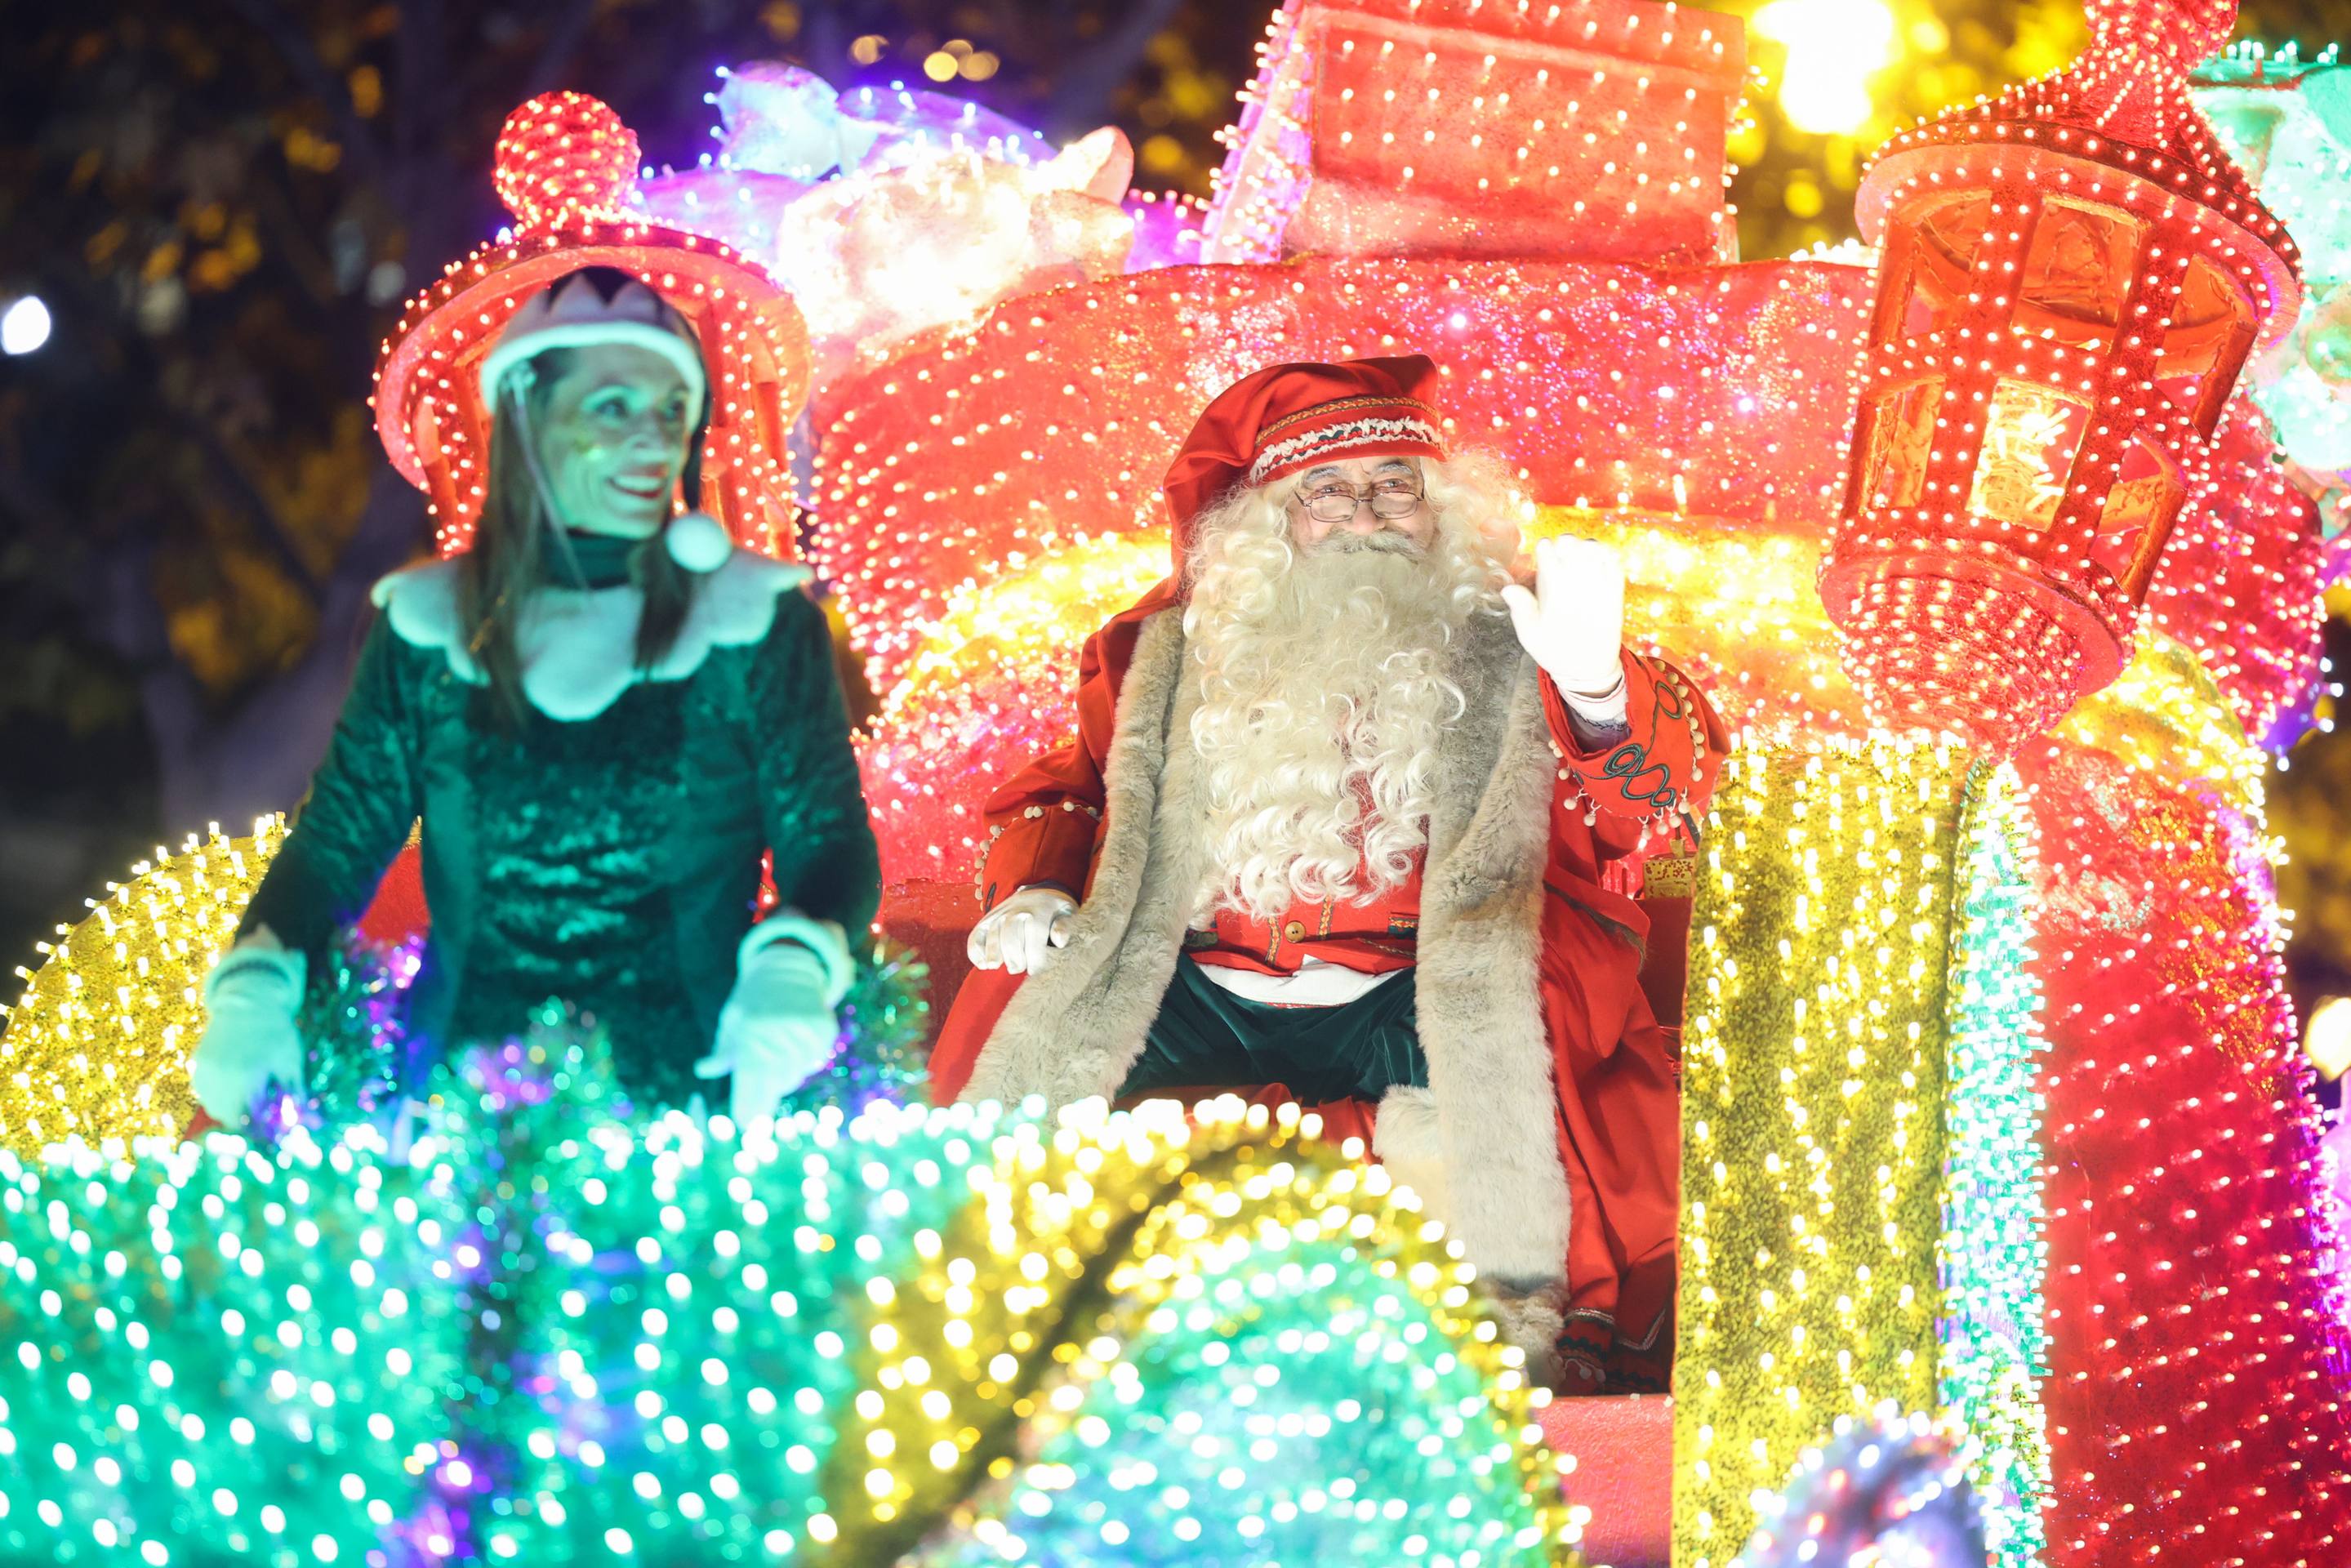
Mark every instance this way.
x=2242 y=578
x=566 y=170
x=1460 y=127
x=2072 y=276
x=2196 y=1404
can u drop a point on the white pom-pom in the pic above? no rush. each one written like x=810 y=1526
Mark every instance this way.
x=696 y=542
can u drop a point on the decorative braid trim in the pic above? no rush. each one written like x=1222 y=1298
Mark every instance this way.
x=980 y=884
x=1346 y=436
x=1339 y=405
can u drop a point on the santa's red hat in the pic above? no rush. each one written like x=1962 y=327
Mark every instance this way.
x=1285 y=419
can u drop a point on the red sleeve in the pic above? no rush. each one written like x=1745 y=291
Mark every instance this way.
x=1654 y=783
x=1041 y=823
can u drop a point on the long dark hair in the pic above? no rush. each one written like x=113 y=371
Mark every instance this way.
x=510 y=538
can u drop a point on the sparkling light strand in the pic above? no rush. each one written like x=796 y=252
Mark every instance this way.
x=97 y=1046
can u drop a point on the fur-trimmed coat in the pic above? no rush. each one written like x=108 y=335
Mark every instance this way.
x=1527 y=968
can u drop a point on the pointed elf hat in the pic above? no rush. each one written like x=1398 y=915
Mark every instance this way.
x=1286 y=419
x=567 y=168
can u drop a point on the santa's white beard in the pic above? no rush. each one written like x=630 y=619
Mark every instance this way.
x=1322 y=698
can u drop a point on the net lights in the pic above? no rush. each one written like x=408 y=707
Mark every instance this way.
x=2072 y=276
x=1843 y=889
x=1452 y=128
x=1720 y=394
x=963 y=1336
x=2196 y=1407
x=1995 y=1353
x=2281 y=117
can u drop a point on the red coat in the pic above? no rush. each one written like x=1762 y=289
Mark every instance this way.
x=1619 y=1116
x=1374 y=936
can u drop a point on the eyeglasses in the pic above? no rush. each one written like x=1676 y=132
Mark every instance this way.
x=1390 y=499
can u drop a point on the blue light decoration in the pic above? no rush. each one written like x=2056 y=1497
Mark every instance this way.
x=1890 y=1491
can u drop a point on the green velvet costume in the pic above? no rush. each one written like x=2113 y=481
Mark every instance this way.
x=606 y=850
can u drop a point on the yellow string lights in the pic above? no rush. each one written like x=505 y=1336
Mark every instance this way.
x=1815 y=1076
x=97 y=1046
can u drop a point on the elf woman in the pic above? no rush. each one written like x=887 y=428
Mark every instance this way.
x=601 y=712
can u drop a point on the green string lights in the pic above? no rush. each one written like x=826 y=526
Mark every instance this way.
x=1995 y=1249
x=551 y=1331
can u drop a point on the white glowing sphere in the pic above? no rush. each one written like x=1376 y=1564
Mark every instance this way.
x=2328 y=1039
x=23 y=326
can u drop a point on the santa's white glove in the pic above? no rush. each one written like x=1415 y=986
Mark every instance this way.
x=1574 y=621
x=1019 y=933
x=779 y=1025
x=251 y=999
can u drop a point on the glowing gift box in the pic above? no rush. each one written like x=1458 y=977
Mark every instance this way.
x=1458 y=127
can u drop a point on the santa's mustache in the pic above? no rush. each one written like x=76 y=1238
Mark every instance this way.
x=1381 y=541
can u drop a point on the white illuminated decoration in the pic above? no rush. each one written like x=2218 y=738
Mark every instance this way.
x=888 y=213
x=23 y=326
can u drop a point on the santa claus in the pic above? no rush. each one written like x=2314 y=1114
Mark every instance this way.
x=1336 y=819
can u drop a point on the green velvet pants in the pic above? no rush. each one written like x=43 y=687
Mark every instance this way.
x=1207 y=1038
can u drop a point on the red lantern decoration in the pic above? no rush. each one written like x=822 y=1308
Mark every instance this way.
x=2071 y=278
x=567 y=168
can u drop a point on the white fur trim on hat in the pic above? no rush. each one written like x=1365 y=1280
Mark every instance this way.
x=696 y=542
x=570 y=314
x=578 y=646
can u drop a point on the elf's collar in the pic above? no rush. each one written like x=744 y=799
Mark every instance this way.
x=578 y=646
x=601 y=559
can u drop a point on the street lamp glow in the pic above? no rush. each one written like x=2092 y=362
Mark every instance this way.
x=2327 y=1039
x=23 y=326
x=1834 y=47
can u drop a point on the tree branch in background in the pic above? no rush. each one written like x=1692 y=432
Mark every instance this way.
x=302 y=58
x=258 y=512
x=564 y=36
x=1094 y=76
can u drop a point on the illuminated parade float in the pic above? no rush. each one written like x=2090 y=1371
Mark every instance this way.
x=1999 y=545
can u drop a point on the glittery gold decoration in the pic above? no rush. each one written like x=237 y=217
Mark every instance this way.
x=1082 y=1252
x=97 y=1046
x=1815 y=1076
